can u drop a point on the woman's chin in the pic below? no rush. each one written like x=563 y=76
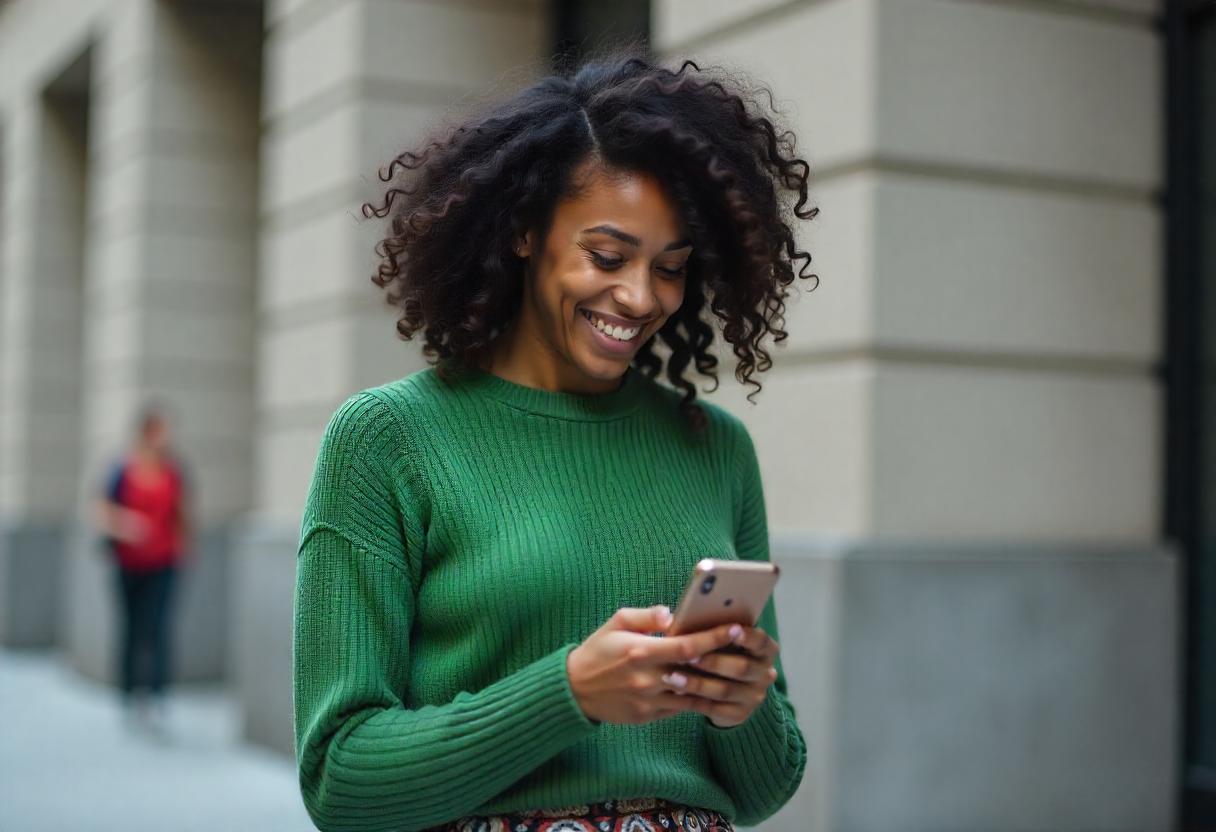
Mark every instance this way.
x=606 y=369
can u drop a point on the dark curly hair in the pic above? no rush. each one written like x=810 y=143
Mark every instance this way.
x=502 y=172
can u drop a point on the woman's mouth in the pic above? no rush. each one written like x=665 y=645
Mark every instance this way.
x=615 y=332
x=616 y=340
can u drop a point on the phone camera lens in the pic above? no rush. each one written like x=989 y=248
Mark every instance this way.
x=707 y=585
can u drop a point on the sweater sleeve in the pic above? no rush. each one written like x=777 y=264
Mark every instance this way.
x=366 y=761
x=762 y=760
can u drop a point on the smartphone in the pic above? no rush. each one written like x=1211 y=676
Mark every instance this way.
x=724 y=592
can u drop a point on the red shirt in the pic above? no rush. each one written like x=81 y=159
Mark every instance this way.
x=156 y=494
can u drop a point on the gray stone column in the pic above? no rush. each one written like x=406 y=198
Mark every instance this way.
x=44 y=198
x=390 y=70
x=961 y=438
x=170 y=287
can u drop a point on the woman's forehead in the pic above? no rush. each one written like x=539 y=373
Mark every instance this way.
x=633 y=202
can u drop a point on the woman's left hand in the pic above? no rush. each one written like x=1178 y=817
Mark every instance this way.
x=738 y=684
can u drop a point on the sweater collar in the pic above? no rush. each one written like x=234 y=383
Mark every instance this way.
x=584 y=407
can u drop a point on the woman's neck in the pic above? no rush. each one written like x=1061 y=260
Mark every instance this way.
x=522 y=360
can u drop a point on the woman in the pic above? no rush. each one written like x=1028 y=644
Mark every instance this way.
x=490 y=546
x=145 y=519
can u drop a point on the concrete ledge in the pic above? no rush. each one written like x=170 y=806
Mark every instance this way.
x=263 y=590
x=31 y=560
x=980 y=687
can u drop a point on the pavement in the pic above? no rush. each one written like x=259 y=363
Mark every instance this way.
x=71 y=760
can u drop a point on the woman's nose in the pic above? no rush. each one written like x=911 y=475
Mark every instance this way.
x=635 y=294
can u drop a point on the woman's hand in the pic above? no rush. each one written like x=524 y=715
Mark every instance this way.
x=738 y=684
x=617 y=673
x=129 y=526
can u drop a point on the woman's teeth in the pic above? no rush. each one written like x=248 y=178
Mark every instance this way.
x=616 y=332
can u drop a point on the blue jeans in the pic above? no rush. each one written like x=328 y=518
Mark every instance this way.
x=146 y=596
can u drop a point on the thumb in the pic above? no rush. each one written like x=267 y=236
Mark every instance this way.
x=642 y=619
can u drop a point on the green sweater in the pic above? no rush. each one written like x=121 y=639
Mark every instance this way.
x=458 y=540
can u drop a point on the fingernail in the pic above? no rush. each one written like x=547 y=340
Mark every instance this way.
x=697 y=660
x=665 y=615
x=735 y=632
x=677 y=679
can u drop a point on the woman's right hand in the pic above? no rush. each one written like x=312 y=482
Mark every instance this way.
x=131 y=526
x=617 y=672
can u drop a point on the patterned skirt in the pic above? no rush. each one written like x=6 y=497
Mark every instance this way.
x=641 y=814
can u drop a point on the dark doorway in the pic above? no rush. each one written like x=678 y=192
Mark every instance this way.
x=1190 y=375
x=579 y=28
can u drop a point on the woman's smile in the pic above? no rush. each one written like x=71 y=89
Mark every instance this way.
x=612 y=339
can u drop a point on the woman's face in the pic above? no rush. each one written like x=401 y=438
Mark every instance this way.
x=156 y=434
x=615 y=255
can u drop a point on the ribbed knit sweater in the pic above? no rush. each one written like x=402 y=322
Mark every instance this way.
x=459 y=539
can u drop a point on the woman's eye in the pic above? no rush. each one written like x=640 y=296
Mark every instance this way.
x=605 y=261
x=612 y=263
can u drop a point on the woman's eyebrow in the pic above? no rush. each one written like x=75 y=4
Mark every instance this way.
x=625 y=237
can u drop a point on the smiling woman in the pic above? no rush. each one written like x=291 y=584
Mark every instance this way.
x=642 y=194
x=473 y=647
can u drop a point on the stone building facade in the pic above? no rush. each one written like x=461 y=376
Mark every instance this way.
x=961 y=440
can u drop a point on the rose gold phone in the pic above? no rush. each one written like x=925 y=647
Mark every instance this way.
x=722 y=592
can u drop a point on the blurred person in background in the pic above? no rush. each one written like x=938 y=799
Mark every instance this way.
x=472 y=648
x=144 y=515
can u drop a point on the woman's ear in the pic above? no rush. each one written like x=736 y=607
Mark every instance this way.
x=523 y=247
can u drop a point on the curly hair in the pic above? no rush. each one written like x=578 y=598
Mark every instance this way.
x=502 y=173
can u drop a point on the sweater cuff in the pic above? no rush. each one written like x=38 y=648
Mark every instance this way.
x=751 y=745
x=554 y=674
